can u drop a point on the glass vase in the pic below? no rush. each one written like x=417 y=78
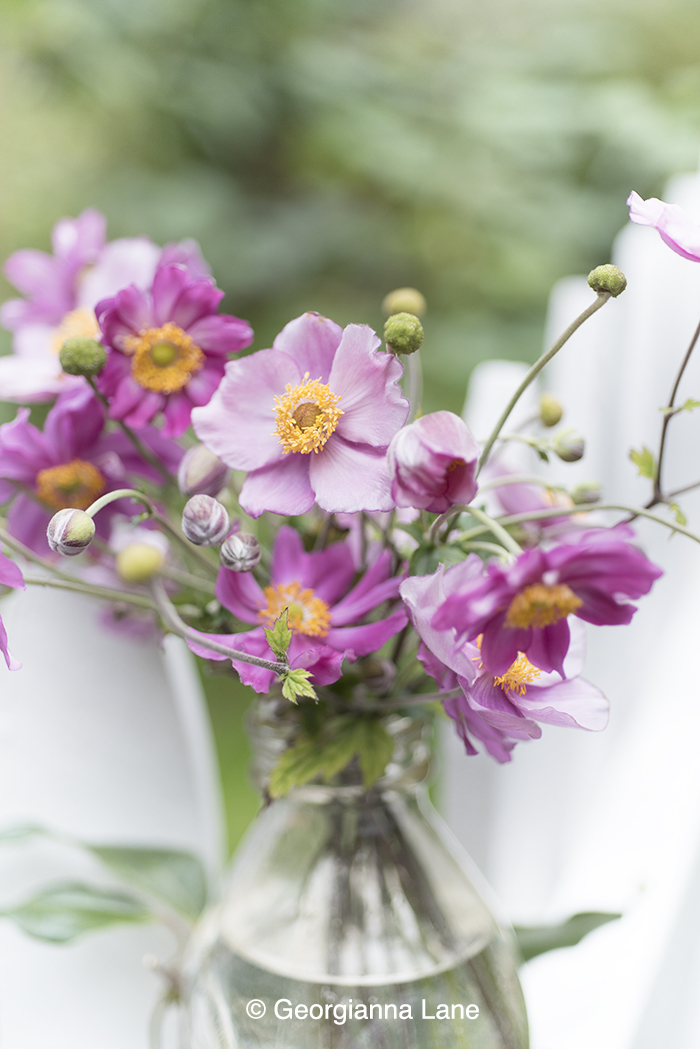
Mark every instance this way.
x=349 y=922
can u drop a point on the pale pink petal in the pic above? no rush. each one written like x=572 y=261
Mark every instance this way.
x=350 y=477
x=33 y=382
x=80 y=240
x=221 y=334
x=674 y=225
x=575 y=703
x=282 y=488
x=312 y=341
x=367 y=383
x=130 y=260
x=239 y=422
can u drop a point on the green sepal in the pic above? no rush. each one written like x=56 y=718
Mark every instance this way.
x=279 y=635
x=536 y=939
x=296 y=683
x=645 y=462
x=62 y=912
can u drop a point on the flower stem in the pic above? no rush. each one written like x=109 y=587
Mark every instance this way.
x=102 y=592
x=414 y=375
x=566 y=511
x=172 y=620
x=657 y=496
x=498 y=530
x=537 y=367
x=138 y=444
x=29 y=555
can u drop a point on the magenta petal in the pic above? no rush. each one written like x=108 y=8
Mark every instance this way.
x=132 y=308
x=198 y=300
x=221 y=334
x=312 y=341
x=239 y=422
x=367 y=383
x=12 y=663
x=80 y=240
x=673 y=224
x=282 y=488
x=147 y=408
x=325 y=663
x=350 y=477
x=74 y=424
x=549 y=646
x=369 y=637
x=241 y=594
x=201 y=387
x=500 y=645
x=10 y=574
x=373 y=588
x=177 y=408
x=168 y=285
x=28 y=521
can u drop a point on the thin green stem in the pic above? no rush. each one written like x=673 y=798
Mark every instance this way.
x=537 y=367
x=498 y=530
x=29 y=555
x=414 y=375
x=657 y=496
x=491 y=548
x=138 y=444
x=169 y=615
x=104 y=593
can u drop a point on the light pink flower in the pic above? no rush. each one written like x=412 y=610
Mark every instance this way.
x=673 y=224
x=11 y=576
x=310 y=419
x=432 y=463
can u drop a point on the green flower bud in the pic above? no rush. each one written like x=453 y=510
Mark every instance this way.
x=587 y=493
x=81 y=356
x=139 y=562
x=70 y=532
x=404 y=300
x=403 y=333
x=569 y=445
x=550 y=410
x=607 y=278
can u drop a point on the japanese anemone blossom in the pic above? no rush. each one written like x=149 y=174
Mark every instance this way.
x=70 y=464
x=60 y=294
x=168 y=348
x=310 y=419
x=325 y=611
x=432 y=463
x=524 y=607
x=10 y=575
x=672 y=223
x=500 y=710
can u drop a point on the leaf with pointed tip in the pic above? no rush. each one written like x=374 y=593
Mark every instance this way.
x=171 y=876
x=63 y=912
x=645 y=462
x=536 y=939
x=296 y=683
x=279 y=636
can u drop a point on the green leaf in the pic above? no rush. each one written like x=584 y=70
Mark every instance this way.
x=687 y=406
x=279 y=636
x=536 y=939
x=426 y=559
x=61 y=913
x=19 y=832
x=344 y=739
x=296 y=683
x=375 y=747
x=644 y=461
x=173 y=877
x=680 y=517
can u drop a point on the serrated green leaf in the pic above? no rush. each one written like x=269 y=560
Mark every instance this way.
x=645 y=462
x=63 y=912
x=171 y=876
x=687 y=406
x=680 y=517
x=279 y=636
x=296 y=683
x=375 y=747
x=536 y=939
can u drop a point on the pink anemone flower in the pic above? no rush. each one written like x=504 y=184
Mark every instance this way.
x=325 y=610
x=310 y=419
x=672 y=223
x=504 y=709
x=432 y=463
x=524 y=607
x=11 y=576
x=168 y=348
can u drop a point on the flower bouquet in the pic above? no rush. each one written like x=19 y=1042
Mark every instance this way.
x=364 y=568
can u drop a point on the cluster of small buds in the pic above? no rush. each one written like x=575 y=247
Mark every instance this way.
x=201 y=472
x=240 y=552
x=70 y=532
x=205 y=521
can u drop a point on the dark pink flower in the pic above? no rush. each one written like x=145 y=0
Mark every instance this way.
x=504 y=709
x=11 y=576
x=168 y=348
x=70 y=464
x=525 y=606
x=326 y=612
x=432 y=463
x=310 y=419
x=672 y=223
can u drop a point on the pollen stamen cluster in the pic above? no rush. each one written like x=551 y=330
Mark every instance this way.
x=307 y=415
x=539 y=605
x=164 y=359
x=519 y=674
x=306 y=613
x=72 y=485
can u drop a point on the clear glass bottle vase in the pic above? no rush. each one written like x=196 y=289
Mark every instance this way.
x=348 y=922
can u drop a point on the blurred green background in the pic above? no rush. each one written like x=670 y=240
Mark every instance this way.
x=324 y=152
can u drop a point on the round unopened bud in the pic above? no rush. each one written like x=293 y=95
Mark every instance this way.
x=82 y=356
x=205 y=521
x=70 y=532
x=569 y=445
x=139 y=562
x=404 y=300
x=587 y=493
x=550 y=410
x=201 y=472
x=403 y=333
x=607 y=278
x=240 y=552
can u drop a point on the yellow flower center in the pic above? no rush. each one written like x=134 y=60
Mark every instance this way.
x=519 y=674
x=75 y=484
x=306 y=416
x=540 y=605
x=165 y=359
x=78 y=324
x=306 y=614
x=454 y=464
